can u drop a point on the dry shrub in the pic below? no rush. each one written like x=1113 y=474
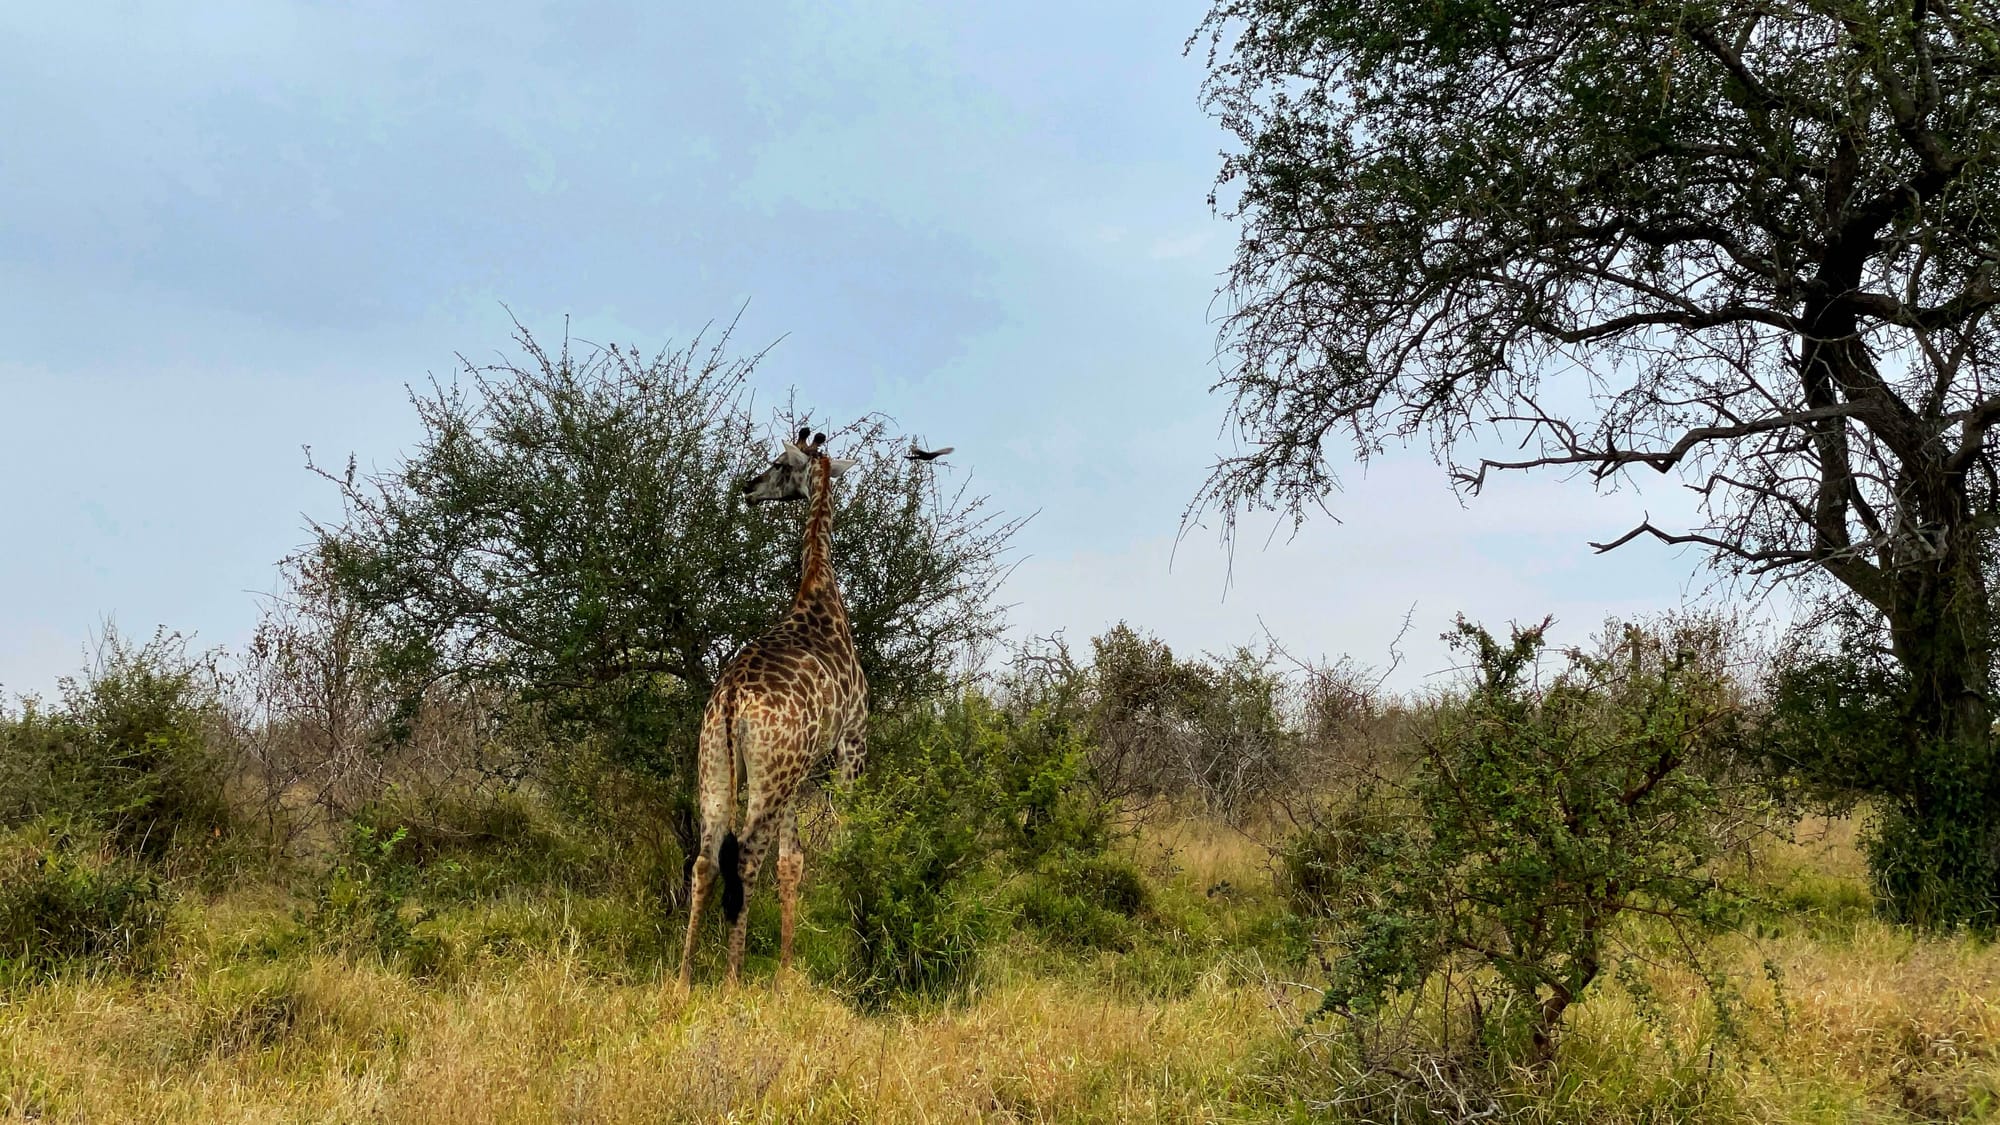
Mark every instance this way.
x=325 y=728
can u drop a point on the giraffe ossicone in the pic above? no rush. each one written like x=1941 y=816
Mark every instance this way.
x=784 y=700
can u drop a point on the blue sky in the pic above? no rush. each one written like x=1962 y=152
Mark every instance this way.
x=233 y=229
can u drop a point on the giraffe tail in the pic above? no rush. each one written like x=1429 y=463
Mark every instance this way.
x=732 y=877
x=731 y=855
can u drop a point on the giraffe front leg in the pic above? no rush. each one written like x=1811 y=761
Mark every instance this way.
x=791 y=868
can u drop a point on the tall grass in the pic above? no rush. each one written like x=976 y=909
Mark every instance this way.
x=559 y=1007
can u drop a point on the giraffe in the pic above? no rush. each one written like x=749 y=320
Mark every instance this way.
x=782 y=701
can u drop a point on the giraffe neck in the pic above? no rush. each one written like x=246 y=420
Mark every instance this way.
x=816 y=583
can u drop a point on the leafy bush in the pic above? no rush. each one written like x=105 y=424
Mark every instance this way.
x=1536 y=818
x=1839 y=729
x=1033 y=765
x=363 y=903
x=128 y=751
x=955 y=799
x=1082 y=901
x=1316 y=865
x=904 y=876
x=65 y=897
x=1212 y=728
x=1052 y=825
x=475 y=843
x=42 y=774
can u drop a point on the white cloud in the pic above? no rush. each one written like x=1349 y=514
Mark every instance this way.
x=1173 y=247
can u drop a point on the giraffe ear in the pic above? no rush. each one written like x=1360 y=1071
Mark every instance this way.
x=835 y=468
x=793 y=455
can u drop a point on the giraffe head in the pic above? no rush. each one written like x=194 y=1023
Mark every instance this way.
x=790 y=476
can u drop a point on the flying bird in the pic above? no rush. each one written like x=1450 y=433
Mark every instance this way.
x=917 y=454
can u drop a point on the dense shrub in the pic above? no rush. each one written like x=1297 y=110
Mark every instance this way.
x=1052 y=826
x=1315 y=865
x=128 y=751
x=364 y=903
x=965 y=808
x=477 y=843
x=65 y=898
x=1213 y=729
x=1034 y=767
x=42 y=774
x=904 y=878
x=1084 y=901
x=1537 y=816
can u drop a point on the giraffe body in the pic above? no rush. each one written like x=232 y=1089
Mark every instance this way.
x=783 y=701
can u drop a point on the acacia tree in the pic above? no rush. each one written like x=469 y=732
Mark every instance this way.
x=571 y=531
x=1748 y=242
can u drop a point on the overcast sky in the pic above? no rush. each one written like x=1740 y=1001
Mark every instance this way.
x=229 y=230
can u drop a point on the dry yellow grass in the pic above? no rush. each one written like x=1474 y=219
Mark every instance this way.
x=549 y=1042
x=1880 y=1026
x=1867 y=1023
x=1202 y=853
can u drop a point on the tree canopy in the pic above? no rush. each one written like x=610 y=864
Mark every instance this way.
x=571 y=528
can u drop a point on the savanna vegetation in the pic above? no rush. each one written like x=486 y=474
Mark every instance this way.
x=416 y=853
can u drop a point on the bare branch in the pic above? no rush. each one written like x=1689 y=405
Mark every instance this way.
x=1766 y=559
x=1610 y=460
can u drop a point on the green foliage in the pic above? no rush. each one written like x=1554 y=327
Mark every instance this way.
x=959 y=798
x=42 y=770
x=1537 y=817
x=1212 y=728
x=66 y=898
x=1935 y=860
x=904 y=878
x=1084 y=901
x=363 y=903
x=472 y=844
x=128 y=751
x=1840 y=726
x=1315 y=866
x=1034 y=767
x=570 y=529
x=1053 y=824
x=1833 y=723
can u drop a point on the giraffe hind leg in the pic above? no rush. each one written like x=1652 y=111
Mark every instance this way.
x=716 y=780
x=756 y=841
x=707 y=869
x=704 y=879
x=791 y=868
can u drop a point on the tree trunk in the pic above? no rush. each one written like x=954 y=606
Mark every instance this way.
x=1936 y=853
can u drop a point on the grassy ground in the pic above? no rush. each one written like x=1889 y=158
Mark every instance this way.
x=560 y=1008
